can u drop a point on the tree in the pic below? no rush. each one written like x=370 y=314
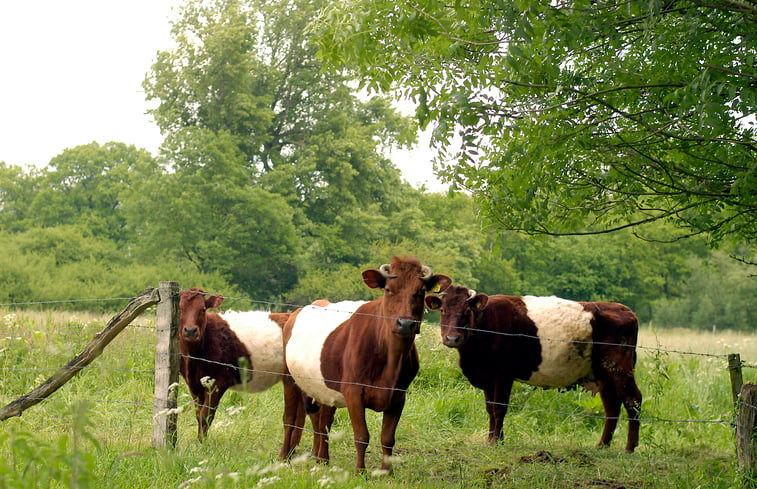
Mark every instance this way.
x=208 y=215
x=242 y=93
x=574 y=117
x=719 y=294
x=248 y=70
x=86 y=184
x=17 y=190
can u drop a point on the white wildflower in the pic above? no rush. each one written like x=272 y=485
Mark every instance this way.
x=266 y=481
x=271 y=468
x=393 y=459
x=337 y=435
x=231 y=475
x=325 y=481
x=301 y=459
x=208 y=382
x=235 y=410
x=340 y=475
x=189 y=482
x=166 y=412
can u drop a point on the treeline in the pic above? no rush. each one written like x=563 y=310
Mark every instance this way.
x=273 y=183
x=104 y=221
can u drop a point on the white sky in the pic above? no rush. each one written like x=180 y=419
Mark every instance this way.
x=71 y=73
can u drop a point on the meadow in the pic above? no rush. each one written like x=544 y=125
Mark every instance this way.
x=95 y=431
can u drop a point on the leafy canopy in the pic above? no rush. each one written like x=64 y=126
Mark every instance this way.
x=574 y=117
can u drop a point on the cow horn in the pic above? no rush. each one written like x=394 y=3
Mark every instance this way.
x=384 y=269
x=425 y=272
x=471 y=294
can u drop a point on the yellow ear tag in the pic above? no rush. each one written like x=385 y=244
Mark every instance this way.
x=436 y=288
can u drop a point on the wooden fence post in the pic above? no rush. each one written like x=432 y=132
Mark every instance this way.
x=746 y=448
x=737 y=379
x=166 y=366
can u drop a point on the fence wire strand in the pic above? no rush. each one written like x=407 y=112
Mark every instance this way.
x=407 y=391
x=279 y=305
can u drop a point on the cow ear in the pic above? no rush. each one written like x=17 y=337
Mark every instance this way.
x=374 y=279
x=433 y=302
x=437 y=283
x=213 y=301
x=479 y=302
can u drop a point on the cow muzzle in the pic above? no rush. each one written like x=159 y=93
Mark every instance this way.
x=452 y=341
x=408 y=327
x=191 y=333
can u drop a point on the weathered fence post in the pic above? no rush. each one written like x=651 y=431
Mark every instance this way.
x=737 y=379
x=746 y=448
x=166 y=366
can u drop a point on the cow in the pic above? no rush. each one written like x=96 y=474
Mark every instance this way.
x=546 y=342
x=211 y=345
x=357 y=355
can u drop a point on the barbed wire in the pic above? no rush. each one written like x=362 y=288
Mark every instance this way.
x=85 y=367
x=446 y=396
x=335 y=437
x=410 y=392
x=64 y=301
x=404 y=448
x=501 y=333
x=407 y=391
x=271 y=304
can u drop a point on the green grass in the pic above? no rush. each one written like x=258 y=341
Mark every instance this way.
x=95 y=431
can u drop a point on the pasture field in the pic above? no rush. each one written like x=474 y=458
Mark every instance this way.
x=95 y=431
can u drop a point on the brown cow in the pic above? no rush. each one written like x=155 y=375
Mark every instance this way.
x=211 y=345
x=357 y=355
x=547 y=342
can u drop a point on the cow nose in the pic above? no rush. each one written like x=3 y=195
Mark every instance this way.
x=190 y=331
x=453 y=341
x=407 y=326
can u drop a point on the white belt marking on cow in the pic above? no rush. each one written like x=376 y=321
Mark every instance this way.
x=262 y=337
x=565 y=334
x=303 y=351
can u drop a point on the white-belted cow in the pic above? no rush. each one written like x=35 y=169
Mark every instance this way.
x=357 y=355
x=211 y=345
x=546 y=342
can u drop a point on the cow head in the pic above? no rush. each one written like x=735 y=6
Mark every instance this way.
x=458 y=307
x=405 y=282
x=193 y=304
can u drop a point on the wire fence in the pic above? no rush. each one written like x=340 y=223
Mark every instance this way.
x=727 y=421
x=271 y=306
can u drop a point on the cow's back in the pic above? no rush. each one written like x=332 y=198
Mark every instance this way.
x=261 y=337
x=309 y=332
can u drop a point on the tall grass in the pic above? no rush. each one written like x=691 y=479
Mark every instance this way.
x=95 y=431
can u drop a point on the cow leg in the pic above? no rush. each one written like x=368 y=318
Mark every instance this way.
x=206 y=411
x=619 y=386
x=631 y=397
x=359 y=429
x=497 y=398
x=611 y=404
x=388 y=432
x=293 y=418
x=312 y=409
x=324 y=419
